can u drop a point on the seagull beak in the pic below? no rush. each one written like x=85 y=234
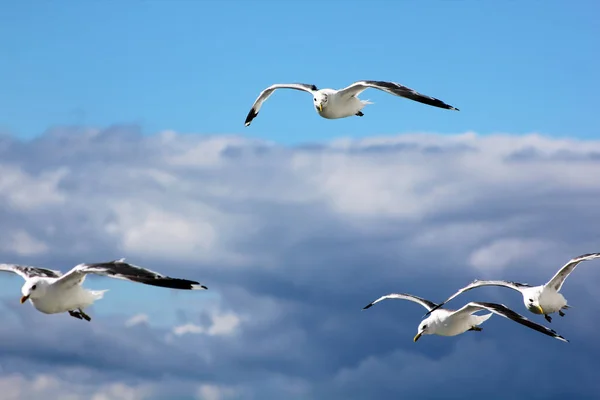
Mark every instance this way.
x=417 y=336
x=541 y=309
x=24 y=299
x=321 y=107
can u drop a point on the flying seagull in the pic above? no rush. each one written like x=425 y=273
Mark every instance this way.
x=542 y=299
x=51 y=292
x=444 y=322
x=334 y=104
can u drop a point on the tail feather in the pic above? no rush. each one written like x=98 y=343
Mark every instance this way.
x=98 y=294
x=365 y=102
x=482 y=318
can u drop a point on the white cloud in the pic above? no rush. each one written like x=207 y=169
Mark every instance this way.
x=144 y=228
x=22 y=243
x=120 y=391
x=137 y=320
x=206 y=211
x=291 y=242
x=504 y=252
x=26 y=192
x=221 y=324
x=213 y=392
x=188 y=328
x=47 y=387
x=207 y=153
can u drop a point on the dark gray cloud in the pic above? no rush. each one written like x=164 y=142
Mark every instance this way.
x=292 y=243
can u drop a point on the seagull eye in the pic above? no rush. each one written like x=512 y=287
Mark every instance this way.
x=315 y=99
x=531 y=300
x=33 y=287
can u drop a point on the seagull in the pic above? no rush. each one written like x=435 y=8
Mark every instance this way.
x=51 y=292
x=445 y=322
x=334 y=104
x=543 y=299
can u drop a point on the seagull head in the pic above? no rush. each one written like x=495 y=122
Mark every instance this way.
x=33 y=289
x=320 y=100
x=534 y=306
x=532 y=302
x=423 y=330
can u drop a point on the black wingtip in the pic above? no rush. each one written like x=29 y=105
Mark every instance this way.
x=170 y=283
x=251 y=115
x=367 y=306
x=586 y=255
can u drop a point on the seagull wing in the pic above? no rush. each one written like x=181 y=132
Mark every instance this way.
x=559 y=278
x=119 y=269
x=396 y=89
x=425 y=303
x=264 y=95
x=506 y=312
x=477 y=283
x=27 y=272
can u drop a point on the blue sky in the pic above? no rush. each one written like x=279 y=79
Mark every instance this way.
x=197 y=66
x=292 y=241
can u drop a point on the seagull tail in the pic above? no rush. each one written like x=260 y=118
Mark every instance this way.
x=365 y=102
x=480 y=319
x=98 y=294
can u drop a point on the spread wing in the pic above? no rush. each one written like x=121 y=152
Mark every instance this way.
x=395 y=89
x=403 y=296
x=119 y=269
x=559 y=278
x=27 y=272
x=477 y=283
x=264 y=95
x=506 y=312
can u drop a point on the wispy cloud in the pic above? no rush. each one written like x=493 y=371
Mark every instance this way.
x=137 y=320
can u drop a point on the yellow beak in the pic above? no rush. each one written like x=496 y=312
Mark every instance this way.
x=24 y=299
x=541 y=309
x=321 y=107
x=418 y=335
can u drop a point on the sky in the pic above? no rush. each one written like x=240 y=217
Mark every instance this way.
x=121 y=135
x=197 y=66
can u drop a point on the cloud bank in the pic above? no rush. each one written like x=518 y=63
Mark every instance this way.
x=292 y=243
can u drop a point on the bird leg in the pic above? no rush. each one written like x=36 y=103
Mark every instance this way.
x=75 y=314
x=84 y=315
x=359 y=114
x=548 y=318
x=476 y=329
x=562 y=314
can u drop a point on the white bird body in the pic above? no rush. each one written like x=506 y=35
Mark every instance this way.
x=549 y=300
x=445 y=322
x=53 y=298
x=338 y=106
